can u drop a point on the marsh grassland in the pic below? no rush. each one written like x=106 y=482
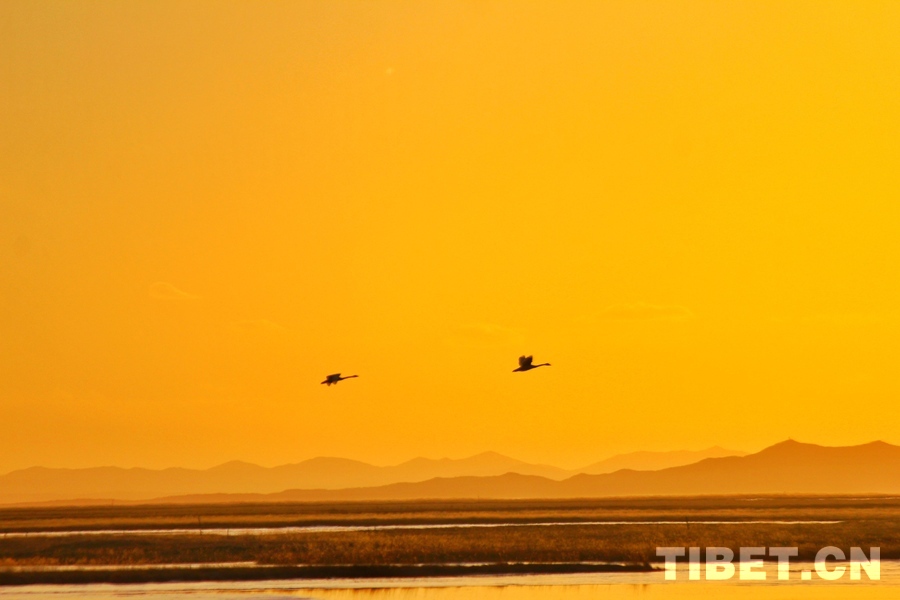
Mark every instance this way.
x=576 y=531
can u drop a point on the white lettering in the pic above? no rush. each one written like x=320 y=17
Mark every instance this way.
x=872 y=565
x=749 y=562
x=784 y=555
x=670 y=553
x=718 y=563
x=822 y=565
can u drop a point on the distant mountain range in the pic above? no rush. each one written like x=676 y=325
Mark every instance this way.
x=41 y=484
x=787 y=468
x=653 y=461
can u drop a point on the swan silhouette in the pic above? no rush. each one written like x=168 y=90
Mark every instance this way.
x=525 y=364
x=335 y=377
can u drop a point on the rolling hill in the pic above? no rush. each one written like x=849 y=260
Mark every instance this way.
x=789 y=467
x=654 y=461
x=40 y=484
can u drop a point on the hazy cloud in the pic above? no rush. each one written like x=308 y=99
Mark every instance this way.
x=642 y=312
x=163 y=290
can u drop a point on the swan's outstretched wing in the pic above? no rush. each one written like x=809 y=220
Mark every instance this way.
x=525 y=361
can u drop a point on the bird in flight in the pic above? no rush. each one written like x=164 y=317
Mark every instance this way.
x=335 y=377
x=525 y=364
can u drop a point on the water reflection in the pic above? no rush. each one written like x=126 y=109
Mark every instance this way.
x=346 y=528
x=610 y=586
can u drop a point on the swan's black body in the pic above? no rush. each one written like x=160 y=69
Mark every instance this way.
x=334 y=378
x=525 y=364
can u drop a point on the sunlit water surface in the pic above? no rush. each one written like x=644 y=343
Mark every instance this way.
x=610 y=586
x=349 y=528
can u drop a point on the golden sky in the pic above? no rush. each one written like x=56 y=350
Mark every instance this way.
x=691 y=209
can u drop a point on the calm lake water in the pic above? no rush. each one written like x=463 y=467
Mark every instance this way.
x=348 y=528
x=609 y=586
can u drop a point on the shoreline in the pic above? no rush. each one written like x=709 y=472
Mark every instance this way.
x=194 y=574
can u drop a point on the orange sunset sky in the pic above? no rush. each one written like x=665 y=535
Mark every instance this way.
x=690 y=208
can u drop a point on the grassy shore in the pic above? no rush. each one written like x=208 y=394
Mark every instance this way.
x=139 y=575
x=604 y=543
x=862 y=522
x=223 y=516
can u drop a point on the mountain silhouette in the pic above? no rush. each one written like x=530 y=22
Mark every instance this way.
x=654 y=461
x=789 y=467
x=40 y=484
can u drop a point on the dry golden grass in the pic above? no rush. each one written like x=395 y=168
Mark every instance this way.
x=864 y=522
x=484 y=511
x=243 y=573
x=615 y=543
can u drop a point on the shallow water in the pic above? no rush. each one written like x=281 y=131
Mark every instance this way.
x=611 y=586
x=344 y=528
x=63 y=568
